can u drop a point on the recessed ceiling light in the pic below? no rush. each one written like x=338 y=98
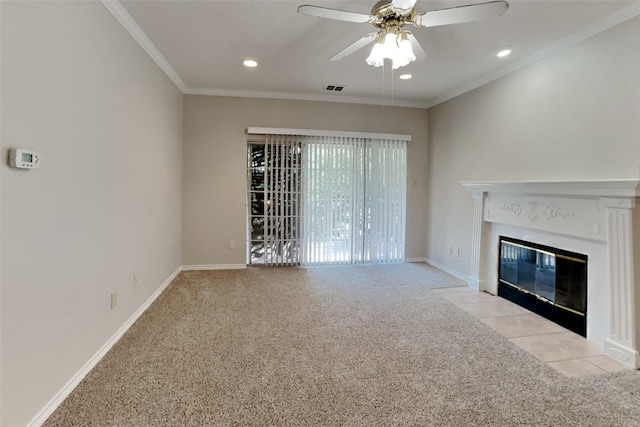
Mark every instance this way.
x=250 y=63
x=405 y=76
x=504 y=53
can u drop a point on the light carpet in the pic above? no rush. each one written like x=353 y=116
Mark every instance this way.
x=330 y=346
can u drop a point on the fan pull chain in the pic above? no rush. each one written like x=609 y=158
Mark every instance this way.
x=383 y=94
x=392 y=91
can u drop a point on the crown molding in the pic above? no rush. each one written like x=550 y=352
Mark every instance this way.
x=619 y=16
x=121 y=14
x=304 y=97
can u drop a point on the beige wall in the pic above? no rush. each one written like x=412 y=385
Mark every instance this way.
x=573 y=115
x=215 y=156
x=105 y=204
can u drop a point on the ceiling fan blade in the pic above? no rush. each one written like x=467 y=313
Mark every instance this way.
x=354 y=47
x=456 y=15
x=418 y=51
x=403 y=6
x=340 y=15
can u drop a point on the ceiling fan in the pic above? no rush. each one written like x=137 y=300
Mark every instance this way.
x=389 y=16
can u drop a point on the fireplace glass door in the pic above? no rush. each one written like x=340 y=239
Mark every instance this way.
x=546 y=280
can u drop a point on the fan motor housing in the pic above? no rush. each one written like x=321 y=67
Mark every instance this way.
x=389 y=18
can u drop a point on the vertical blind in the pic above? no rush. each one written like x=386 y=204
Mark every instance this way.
x=327 y=200
x=354 y=192
x=274 y=197
x=333 y=199
x=282 y=193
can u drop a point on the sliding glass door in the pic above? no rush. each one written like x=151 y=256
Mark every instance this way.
x=326 y=200
x=354 y=193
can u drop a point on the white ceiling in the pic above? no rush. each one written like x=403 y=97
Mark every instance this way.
x=201 y=46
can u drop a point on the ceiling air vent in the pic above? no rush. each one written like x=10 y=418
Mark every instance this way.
x=335 y=88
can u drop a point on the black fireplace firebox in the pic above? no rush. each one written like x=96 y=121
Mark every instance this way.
x=549 y=281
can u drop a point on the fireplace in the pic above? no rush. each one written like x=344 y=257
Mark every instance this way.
x=598 y=221
x=546 y=280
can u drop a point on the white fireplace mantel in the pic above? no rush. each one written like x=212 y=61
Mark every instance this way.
x=601 y=188
x=598 y=218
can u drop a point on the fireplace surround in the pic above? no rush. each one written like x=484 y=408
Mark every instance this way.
x=596 y=218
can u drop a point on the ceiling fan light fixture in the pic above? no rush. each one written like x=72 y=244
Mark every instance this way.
x=404 y=54
x=394 y=46
x=376 y=57
x=390 y=45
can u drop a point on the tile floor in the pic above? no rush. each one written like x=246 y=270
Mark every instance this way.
x=563 y=350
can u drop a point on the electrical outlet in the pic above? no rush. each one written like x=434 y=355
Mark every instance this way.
x=456 y=251
x=114 y=300
x=439 y=246
x=135 y=281
x=232 y=244
x=451 y=250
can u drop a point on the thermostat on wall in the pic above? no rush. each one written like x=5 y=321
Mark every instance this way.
x=24 y=159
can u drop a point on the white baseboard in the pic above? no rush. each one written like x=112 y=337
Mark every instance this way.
x=423 y=259
x=478 y=285
x=214 y=267
x=53 y=404
x=629 y=357
x=466 y=279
